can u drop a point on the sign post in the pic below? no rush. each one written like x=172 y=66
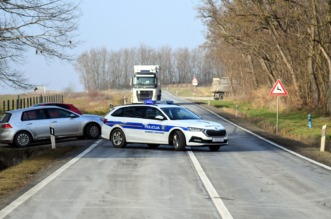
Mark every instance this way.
x=52 y=133
x=194 y=83
x=278 y=90
x=323 y=138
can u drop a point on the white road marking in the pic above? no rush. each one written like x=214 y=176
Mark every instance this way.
x=20 y=200
x=221 y=208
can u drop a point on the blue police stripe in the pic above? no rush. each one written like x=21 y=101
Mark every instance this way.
x=148 y=127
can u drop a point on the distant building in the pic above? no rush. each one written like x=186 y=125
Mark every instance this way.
x=39 y=89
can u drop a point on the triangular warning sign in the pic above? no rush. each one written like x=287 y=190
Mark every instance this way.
x=278 y=89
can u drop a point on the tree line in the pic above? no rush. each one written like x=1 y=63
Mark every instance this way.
x=101 y=69
x=260 y=41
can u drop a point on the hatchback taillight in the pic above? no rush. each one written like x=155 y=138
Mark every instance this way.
x=104 y=120
x=6 y=126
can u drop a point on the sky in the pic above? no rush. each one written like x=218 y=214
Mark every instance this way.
x=115 y=25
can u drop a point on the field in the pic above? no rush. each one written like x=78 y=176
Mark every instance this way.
x=98 y=102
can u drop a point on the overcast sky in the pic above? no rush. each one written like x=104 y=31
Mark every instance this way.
x=115 y=24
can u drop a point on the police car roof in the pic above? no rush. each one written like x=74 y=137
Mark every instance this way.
x=164 y=103
x=154 y=102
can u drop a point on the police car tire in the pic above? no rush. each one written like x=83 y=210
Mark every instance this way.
x=214 y=147
x=178 y=141
x=120 y=141
x=153 y=146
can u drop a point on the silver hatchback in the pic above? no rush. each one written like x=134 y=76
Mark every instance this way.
x=22 y=126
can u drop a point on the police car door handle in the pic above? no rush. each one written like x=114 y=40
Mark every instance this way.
x=54 y=122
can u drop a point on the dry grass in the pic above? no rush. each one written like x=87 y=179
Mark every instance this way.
x=97 y=102
x=187 y=90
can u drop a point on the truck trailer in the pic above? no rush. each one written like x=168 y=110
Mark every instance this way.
x=146 y=83
x=219 y=87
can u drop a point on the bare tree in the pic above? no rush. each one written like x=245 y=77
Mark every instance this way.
x=165 y=60
x=282 y=39
x=45 y=27
x=102 y=70
x=93 y=69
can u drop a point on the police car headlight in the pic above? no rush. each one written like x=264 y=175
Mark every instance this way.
x=192 y=129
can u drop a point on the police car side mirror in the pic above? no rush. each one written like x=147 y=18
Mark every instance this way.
x=159 y=117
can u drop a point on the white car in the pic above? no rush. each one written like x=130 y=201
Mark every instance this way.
x=154 y=124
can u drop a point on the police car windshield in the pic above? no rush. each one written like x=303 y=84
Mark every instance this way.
x=179 y=113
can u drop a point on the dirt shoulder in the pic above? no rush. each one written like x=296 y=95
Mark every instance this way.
x=299 y=147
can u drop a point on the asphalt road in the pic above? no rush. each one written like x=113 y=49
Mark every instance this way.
x=249 y=178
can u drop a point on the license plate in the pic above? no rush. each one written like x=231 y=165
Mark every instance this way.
x=218 y=139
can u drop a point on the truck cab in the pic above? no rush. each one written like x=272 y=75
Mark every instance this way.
x=145 y=83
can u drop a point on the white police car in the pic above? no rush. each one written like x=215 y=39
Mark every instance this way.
x=155 y=123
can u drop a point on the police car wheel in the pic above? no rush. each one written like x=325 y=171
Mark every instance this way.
x=178 y=141
x=153 y=146
x=118 y=138
x=214 y=147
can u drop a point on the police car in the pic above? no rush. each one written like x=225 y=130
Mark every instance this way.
x=154 y=123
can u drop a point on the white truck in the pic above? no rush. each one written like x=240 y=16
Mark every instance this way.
x=146 y=83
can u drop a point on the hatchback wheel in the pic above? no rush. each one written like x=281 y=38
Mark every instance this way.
x=92 y=131
x=117 y=138
x=178 y=141
x=22 y=139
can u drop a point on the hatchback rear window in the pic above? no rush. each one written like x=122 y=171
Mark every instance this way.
x=33 y=115
x=5 y=118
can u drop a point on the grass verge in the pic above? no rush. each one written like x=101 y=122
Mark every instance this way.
x=290 y=124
